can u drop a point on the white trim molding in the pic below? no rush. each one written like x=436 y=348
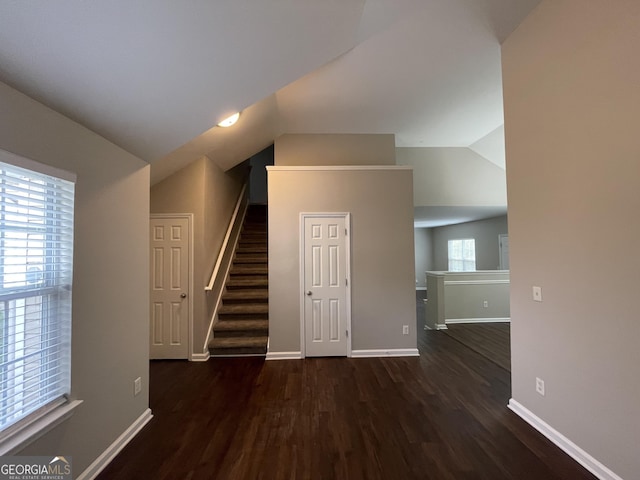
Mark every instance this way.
x=476 y=282
x=478 y=320
x=566 y=445
x=22 y=437
x=284 y=356
x=323 y=168
x=116 y=447
x=391 y=352
x=422 y=289
x=200 y=357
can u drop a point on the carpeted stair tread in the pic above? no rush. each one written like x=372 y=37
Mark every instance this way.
x=251 y=228
x=244 y=309
x=238 y=345
x=249 y=269
x=252 y=248
x=246 y=282
x=241 y=328
x=251 y=258
x=251 y=240
x=254 y=295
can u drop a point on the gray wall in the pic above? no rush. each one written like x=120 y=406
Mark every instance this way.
x=485 y=233
x=423 y=240
x=453 y=176
x=382 y=260
x=572 y=98
x=111 y=274
x=335 y=149
x=258 y=175
x=203 y=189
x=465 y=294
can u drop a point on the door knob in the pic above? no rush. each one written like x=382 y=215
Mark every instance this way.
x=183 y=295
x=309 y=292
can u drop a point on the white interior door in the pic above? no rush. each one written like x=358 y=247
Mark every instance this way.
x=170 y=303
x=504 y=251
x=325 y=290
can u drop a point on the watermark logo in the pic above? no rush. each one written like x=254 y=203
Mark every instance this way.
x=36 y=468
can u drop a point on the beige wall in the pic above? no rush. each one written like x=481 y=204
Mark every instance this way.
x=111 y=274
x=203 y=189
x=485 y=232
x=382 y=260
x=335 y=149
x=453 y=176
x=572 y=99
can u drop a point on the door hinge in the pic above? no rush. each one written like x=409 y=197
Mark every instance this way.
x=347 y=332
x=346 y=282
x=346 y=232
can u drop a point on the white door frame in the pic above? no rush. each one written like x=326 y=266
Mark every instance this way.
x=347 y=223
x=189 y=218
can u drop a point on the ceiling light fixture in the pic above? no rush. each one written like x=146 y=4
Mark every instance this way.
x=227 y=122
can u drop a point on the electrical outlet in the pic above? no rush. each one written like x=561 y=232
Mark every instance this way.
x=537 y=294
x=405 y=329
x=137 y=386
x=540 y=386
x=486 y=304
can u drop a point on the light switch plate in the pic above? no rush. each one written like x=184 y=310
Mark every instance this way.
x=537 y=294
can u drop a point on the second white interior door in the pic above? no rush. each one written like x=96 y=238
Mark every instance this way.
x=325 y=286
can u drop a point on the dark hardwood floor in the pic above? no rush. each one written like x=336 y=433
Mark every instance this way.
x=441 y=416
x=491 y=340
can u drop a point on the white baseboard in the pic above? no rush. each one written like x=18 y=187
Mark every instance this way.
x=110 y=453
x=200 y=357
x=438 y=326
x=570 y=448
x=421 y=288
x=479 y=320
x=392 y=352
x=284 y=356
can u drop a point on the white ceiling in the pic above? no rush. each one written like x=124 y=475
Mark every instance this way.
x=438 y=216
x=152 y=76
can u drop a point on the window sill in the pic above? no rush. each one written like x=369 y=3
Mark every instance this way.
x=36 y=429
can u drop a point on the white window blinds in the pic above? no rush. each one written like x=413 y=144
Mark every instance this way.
x=36 y=261
x=462 y=255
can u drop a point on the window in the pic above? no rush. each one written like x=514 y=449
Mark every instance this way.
x=36 y=259
x=462 y=255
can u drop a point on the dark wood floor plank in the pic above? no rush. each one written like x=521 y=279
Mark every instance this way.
x=441 y=416
x=491 y=340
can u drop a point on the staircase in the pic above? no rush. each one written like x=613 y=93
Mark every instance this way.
x=243 y=318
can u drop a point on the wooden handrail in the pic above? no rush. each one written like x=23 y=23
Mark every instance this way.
x=227 y=236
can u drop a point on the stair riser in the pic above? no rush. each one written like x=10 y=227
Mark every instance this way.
x=259 y=282
x=240 y=301
x=220 y=352
x=242 y=333
x=242 y=316
x=245 y=270
x=259 y=259
x=245 y=287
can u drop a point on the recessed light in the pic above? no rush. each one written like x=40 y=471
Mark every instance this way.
x=227 y=122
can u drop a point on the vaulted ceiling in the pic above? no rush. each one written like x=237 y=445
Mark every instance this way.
x=155 y=76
